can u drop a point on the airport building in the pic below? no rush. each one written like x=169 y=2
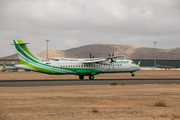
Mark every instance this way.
x=158 y=63
x=9 y=62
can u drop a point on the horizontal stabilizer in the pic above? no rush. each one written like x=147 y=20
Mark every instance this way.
x=21 y=43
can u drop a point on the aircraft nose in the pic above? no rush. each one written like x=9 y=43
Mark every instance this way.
x=137 y=67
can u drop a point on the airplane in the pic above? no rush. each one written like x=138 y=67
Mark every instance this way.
x=81 y=67
x=4 y=68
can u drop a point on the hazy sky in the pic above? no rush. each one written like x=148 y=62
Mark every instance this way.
x=73 y=23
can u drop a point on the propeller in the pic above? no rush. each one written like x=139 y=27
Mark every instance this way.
x=91 y=55
x=111 y=56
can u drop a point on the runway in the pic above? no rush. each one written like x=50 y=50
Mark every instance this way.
x=75 y=82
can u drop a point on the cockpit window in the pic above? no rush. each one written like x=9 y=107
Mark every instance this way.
x=132 y=62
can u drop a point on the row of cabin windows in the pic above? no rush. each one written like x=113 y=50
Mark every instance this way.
x=73 y=66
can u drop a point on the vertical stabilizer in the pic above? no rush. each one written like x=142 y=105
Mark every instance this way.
x=4 y=65
x=24 y=54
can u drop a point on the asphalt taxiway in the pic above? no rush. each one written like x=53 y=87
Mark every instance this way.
x=74 y=82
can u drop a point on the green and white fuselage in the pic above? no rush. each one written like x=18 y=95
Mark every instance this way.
x=81 y=67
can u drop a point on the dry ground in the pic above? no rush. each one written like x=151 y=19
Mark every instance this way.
x=119 y=102
x=138 y=74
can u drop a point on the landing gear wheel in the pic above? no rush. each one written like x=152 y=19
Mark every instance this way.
x=91 y=77
x=132 y=75
x=81 y=77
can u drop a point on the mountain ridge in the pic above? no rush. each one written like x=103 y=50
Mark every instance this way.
x=102 y=50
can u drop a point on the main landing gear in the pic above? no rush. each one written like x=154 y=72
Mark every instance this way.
x=81 y=77
x=91 y=77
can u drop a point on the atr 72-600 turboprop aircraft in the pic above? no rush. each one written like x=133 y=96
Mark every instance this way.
x=81 y=67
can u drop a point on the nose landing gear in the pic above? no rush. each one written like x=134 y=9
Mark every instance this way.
x=133 y=74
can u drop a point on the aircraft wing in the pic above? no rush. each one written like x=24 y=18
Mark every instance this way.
x=90 y=60
x=85 y=60
x=68 y=59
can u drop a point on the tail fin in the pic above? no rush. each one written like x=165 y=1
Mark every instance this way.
x=4 y=65
x=139 y=63
x=4 y=68
x=24 y=54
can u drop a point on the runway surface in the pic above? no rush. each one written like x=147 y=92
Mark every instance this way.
x=72 y=82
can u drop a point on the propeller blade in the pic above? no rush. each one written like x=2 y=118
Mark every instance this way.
x=109 y=54
x=113 y=54
x=90 y=55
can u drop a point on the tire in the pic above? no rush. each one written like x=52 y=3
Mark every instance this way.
x=132 y=75
x=91 y=77
x=81 y=77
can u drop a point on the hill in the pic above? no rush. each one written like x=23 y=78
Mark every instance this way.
x=102 y=50
x=129 y=51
